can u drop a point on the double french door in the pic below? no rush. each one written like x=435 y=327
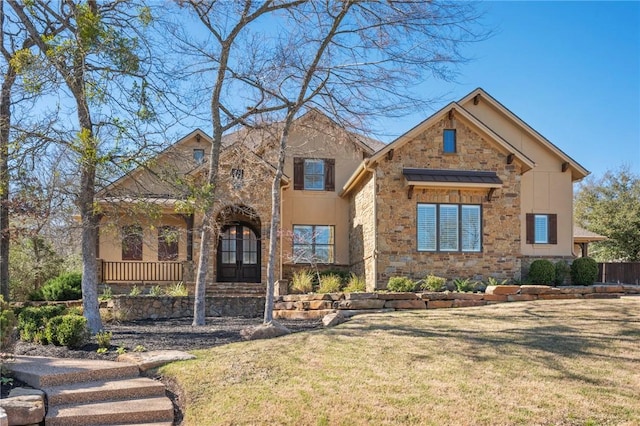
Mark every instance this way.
x=238 y=254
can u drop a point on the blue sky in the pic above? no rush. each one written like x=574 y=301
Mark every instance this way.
x=571 y=70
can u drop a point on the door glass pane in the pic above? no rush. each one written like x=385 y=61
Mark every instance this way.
x=249 y=247
x=448 y=228
x=229 y=245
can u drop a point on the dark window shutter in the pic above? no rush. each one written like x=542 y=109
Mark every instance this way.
x=553 y=229
x=329 y=174
x=530 y=228
x=298 y=173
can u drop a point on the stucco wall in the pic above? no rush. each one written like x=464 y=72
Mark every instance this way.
x=396 y=213
x=545 y=189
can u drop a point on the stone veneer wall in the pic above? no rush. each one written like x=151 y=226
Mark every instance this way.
x=362 y=231
x=396 y=213
x=163 y=307
x=315 y=306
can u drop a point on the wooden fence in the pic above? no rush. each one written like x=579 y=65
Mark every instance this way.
x=141 y=272
x=623 y=272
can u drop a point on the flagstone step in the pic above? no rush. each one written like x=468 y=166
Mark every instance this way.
x=134 y=411
x=42 y=372
x=138 y=387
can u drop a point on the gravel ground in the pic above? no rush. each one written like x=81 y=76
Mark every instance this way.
x=176 y=334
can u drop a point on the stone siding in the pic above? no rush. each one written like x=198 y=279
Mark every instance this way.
x=362 y=231
x=396 y=213
x=127 y=308
x=313 y=306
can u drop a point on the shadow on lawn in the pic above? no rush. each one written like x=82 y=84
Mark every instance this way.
x=548 y=337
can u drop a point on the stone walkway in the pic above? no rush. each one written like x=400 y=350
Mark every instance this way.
x=91 y=392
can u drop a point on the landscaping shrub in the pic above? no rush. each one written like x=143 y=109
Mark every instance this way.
x=156 y=290
x=302 y=282
x=434 y=283
x=104 y=339
x=356 y=284
x=464 y=285
x=33 y=320
x=135 y=291
x=177 y=290
x=63 y=287
x=401 y=284
x=68 y=330
x=343 y=275
x=584 y=271
x=542 y=271
x=562 y=272
x=51 y=330
x=107 y=293
x=330 y=284
x=7 y=325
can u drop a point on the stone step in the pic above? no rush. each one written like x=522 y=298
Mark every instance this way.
x=134 y=411
x=42 y=372
x=102 y=390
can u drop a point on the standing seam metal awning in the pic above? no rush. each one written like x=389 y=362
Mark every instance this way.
x=452 y=179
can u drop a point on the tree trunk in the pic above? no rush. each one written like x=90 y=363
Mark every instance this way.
x=275 y=221
x=5 y=126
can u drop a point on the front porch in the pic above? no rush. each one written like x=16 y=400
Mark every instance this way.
x=121 y=276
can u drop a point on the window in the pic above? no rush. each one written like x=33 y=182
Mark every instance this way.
x=449 y=228
x=542 y=228
x=168 y=237
x=132 y=242
x=198 y=155
x=313 y=243
x=237 y=176
x=314 y=174
x=449 y=141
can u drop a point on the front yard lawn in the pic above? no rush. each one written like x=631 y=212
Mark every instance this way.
x=565 y=362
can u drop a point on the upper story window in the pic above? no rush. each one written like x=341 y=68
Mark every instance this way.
x=168 y=243
x=314 y=174
x=449 y=141
x=132 y=242
x=449 y=227
x=198 y=155
x=237 y=177
x=542 y=228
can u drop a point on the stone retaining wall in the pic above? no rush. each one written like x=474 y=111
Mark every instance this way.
x=162 y=307
x=308 y=306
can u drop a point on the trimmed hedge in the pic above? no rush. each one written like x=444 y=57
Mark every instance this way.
x=584 y=271
x=401 y=284
x=542 y=271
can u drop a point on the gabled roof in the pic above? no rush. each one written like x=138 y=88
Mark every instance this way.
x=161 y=154
x=577 y=171
x=458 y=111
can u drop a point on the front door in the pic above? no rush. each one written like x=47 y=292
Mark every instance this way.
x=238 y=255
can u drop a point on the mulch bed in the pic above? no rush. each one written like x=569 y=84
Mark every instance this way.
x=176 y=334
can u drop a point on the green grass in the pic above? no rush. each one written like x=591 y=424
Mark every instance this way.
x=546 y=362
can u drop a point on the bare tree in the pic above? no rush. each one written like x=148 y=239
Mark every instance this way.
x=356 y=60
x=98 y=51
x=228 y=23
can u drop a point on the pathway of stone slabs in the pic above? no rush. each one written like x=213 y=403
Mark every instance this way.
x=85 y=392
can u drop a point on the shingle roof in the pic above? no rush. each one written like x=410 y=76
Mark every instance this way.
x=583 y=235
x=451 y=176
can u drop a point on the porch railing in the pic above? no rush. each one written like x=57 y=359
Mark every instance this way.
x=140 y=272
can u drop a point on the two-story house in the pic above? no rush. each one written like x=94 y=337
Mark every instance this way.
x=472 y=191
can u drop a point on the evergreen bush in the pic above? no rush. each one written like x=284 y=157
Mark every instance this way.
x=66 y=286
x=562 y=272
x=584 y=271
x=33 y=320
x=542 y=271
x=434 y=283
x=8 y=323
